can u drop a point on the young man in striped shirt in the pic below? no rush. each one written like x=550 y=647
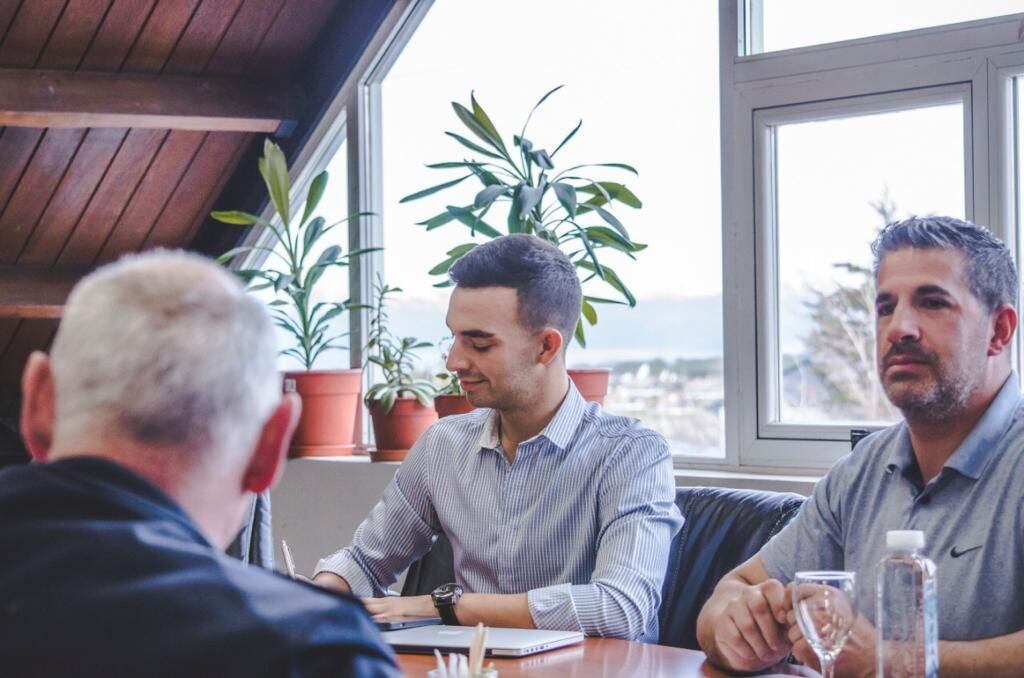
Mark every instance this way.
x=560 y=515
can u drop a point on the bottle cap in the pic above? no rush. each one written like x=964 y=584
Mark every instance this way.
x=904 y=539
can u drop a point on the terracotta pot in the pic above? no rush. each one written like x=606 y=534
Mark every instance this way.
x=592 y=383
x=395 y=432
x=330 y=405
x=447 y=405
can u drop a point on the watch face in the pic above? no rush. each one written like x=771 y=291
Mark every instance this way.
x=446 y=593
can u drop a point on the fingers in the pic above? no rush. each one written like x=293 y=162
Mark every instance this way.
x=736 y=651
x=778 y=599
x=805 y=655
x=748 y=633
x=769 y=639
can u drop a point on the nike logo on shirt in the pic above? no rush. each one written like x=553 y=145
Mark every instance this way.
x=956 y=554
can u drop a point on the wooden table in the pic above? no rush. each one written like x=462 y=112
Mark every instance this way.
x=596 y=658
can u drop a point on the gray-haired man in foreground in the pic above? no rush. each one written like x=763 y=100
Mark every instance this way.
x=954 y=468
x=154 y=421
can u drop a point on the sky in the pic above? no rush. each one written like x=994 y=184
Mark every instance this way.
x=643 y=77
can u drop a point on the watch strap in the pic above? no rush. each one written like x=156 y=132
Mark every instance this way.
x=447 y=614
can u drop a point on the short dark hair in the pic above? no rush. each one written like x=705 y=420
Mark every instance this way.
x=547 y=287
x=991 y=273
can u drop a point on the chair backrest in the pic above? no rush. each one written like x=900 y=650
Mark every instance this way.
x=435 y=568
x=723 y=528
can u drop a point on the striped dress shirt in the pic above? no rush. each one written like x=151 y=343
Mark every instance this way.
x=581 y=521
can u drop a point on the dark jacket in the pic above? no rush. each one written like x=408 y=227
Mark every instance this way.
x=101 y=574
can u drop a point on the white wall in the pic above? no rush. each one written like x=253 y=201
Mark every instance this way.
x=319 y=504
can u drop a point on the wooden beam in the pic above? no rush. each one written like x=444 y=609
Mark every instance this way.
x=36 y=291
x=41 y=98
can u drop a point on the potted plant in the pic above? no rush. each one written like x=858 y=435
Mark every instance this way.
x=568 y=207
x=450 y=398
x=400 y=405
x=330 y=398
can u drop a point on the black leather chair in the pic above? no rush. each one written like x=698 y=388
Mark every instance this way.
x=723 y=528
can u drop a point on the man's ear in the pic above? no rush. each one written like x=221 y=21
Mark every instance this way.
x=551 y=343
x=267 y=461
x=38 y=406
x=1004 y=326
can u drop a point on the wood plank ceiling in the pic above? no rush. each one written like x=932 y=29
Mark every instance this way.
x=72 y=198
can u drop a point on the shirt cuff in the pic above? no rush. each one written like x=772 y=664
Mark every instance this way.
x=553 y=607
x=345 y=566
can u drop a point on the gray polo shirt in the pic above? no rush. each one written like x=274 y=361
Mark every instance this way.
x=972 y=515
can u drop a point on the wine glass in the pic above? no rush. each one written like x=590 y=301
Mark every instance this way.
x=826 y=608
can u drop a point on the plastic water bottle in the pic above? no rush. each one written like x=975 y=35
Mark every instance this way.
x=907 y=614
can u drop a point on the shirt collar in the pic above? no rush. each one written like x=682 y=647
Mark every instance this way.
x=975 y=452
x=559 y=431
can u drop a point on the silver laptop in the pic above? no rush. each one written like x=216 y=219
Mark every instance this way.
x=500 y=642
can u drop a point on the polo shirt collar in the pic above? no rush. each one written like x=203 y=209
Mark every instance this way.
x=975 y=452
x=559 y=431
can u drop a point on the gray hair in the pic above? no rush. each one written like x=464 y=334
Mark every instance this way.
x=169 y=348
x=991 y=273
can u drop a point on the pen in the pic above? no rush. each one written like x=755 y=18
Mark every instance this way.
x=288 y=562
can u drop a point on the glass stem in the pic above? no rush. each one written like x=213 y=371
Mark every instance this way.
x=828 y=665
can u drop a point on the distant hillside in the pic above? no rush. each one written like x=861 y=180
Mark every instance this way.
x=668 y=328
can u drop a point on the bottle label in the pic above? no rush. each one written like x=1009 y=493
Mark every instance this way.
x=931 y=629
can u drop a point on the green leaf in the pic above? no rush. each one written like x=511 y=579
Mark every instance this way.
x=236 y=218
x=529 y=197
x=582 y=236
x=489 y=195
x=313 y=232
x=473 y=146
x=329 y=255
x=461 y=249
x=589 y=312
x=613 y=191
x=515 y=222
x=568 y=136
x=274 y=169
x=433 y=189
x=536 y=106
x=581 y=339
x=316 y=191
x=610 y=238
x=612 y=221
x=566 y=195
x=442 y=268
x=439 y=220
x=230 y=254
x=470 y=219
x=477 y=128
x=612 y=278
x=602 y=300
x=485 y=122
x=542 y=159
x=282 y=282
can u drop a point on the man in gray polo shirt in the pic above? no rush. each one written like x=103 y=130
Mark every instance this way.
x=953 y=468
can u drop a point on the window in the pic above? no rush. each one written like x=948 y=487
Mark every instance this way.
x=735 y=349
x=785 y=24
x=666 y=353
x=837 y=182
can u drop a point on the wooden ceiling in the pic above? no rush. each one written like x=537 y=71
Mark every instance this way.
x=124 y=120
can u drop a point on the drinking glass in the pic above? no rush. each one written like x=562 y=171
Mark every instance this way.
x=826 y=608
